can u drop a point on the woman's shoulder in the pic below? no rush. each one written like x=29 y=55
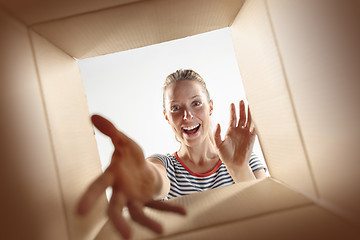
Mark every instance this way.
x=166 y=159
x=160 y=155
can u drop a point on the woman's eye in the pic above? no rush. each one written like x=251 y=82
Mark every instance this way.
x=174 y=108
x=197 y=103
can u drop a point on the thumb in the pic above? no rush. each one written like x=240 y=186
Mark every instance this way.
x=217 y=136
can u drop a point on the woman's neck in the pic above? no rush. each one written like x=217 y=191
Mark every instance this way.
x=198 y=154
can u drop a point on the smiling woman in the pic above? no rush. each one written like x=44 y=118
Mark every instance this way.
x=204 y=160
x=187 y=105
x=126 y=88
x=201 y=163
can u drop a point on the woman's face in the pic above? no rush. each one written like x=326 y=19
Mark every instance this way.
x=187 y=109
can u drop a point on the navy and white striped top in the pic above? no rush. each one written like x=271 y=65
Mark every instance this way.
x=183 y=181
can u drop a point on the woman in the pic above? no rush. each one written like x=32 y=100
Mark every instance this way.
x=202 y=162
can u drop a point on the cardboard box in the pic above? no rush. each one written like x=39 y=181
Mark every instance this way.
x=299 y=61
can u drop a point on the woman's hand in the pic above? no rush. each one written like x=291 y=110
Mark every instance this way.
x=132 y=180
x=238 y=143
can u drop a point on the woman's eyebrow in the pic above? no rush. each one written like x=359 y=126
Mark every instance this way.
x=174 y=100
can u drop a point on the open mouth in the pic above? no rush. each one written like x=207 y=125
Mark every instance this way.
x=191 y=130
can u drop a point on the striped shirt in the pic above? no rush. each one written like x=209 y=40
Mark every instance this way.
x=183 y=181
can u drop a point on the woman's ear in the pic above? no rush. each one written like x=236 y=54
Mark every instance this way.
x=211 y=104
x=166 y=117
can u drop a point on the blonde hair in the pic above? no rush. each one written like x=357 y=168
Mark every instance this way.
x=187 y=74
x=184 y=74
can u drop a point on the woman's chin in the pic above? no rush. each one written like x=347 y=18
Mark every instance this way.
x=192 y=138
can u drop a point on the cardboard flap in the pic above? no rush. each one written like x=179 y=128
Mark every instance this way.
x=304 y=222
x=30 y=204
x=36 y=11
x=267 y=91
x=137 y=25
x=220 y=206
x=75 y=152
x=319 y=44
x=300 y=65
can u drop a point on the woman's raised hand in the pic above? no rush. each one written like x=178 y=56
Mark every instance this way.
x=236 y=148
x=132 y=179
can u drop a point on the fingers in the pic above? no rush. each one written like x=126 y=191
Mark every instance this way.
x=104 y=125
x=163 y=206
x=117 y=202
x=242 y=117
x=138 y=215
x=249 y=121
x=95 y=190
x=249 y=124
x=217 y=136
x=107 y=128
x=245 y=122
x=233 y=120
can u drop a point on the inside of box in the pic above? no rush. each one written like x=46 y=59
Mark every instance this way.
x=298 y=60
x=240 y=210
x=304 y=57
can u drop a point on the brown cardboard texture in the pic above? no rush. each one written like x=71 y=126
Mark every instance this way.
x=299 y=62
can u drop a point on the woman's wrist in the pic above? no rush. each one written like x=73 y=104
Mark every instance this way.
x=240 y=172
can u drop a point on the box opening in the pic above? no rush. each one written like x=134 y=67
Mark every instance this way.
x=126 y=87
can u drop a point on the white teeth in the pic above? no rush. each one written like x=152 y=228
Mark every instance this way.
x=191 y=128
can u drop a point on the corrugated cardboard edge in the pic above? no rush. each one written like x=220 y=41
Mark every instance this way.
x=31 y=203
x=156 y=21
x=74 y=147
x=220 y=206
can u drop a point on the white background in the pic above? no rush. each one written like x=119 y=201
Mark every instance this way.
x=126 y=88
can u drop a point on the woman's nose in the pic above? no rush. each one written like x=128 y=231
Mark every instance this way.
x=187 y=115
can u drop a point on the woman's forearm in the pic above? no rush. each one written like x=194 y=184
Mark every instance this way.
x=241 y=173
